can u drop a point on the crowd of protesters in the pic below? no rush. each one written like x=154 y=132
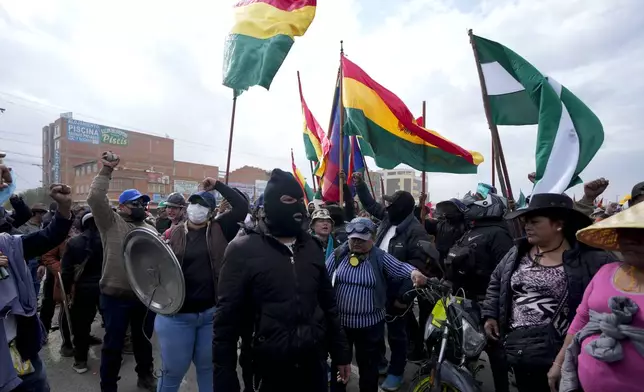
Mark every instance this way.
x=293 y=293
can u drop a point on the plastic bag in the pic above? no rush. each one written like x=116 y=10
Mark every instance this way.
x=6 y=193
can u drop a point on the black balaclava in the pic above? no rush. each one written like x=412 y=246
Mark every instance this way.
x=282 y=219
x=402 y=205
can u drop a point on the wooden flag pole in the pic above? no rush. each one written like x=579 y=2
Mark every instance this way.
x=382 y=190
x=341 y=163
x=424 y=175
x=496 y=139
x=230 y=138
x=493 y=161
x=315 y=189
x=366 y=169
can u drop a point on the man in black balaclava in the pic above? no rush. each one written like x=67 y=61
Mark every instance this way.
x=273 y=282
x=399 y=234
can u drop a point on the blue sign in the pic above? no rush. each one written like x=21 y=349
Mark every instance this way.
x=84 y=132
x=157 y=197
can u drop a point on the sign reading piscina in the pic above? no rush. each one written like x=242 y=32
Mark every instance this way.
x=84 y=132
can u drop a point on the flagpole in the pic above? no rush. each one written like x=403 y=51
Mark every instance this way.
x=342 y=180
x=230 y=138
x=382 y=189
x=313 y=175
x=496 y=139
x=424 y=175
x=493 y=168
x=366 y=169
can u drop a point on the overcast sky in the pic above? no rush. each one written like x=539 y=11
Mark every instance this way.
x=155 y=66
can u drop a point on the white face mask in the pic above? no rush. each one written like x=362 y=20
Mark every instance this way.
x=197 y=213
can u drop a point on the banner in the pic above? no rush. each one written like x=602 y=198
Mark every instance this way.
x=84 y=132
x=186 y=187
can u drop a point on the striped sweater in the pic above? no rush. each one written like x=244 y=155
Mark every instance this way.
x=355 y=286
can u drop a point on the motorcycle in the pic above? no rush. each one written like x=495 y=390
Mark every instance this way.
x=454 y=340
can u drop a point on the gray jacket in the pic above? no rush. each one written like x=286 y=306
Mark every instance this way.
x=612 y=327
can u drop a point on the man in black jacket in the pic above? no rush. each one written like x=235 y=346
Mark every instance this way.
x=274 y=282
x=82 y=266
x=399 y=234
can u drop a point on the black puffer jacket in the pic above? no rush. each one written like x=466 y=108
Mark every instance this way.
x=404 y=244
x=287 y=299
x=490 y=241
x=581 y=263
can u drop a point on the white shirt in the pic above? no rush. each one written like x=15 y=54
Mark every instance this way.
x=384 y=245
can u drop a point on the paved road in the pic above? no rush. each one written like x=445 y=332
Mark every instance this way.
x=63 y=378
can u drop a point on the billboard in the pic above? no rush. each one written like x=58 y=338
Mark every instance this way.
x=186 y=187
x=56 y=167
x=84 y=132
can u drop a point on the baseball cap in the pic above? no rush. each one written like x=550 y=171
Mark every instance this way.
x=361 y=228
x=131 y=195
x=206 y=196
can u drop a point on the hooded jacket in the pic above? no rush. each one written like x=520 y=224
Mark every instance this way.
x=284 y=297
x=113 y=228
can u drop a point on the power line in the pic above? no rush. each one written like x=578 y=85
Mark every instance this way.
x=18 y=141
x=127 y=127
x=23 y=154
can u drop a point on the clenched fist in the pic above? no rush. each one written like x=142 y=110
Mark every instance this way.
x=5 y=176
x=62 y=194
x=109 y=159
x=208 y=184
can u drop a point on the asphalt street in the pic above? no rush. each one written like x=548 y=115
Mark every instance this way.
x=63 y=378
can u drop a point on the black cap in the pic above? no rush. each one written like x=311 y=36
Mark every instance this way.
x=638 y=190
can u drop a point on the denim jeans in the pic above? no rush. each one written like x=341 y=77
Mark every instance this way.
x=119 y=313
x=185 y=338
x=33 y=268
x=36 y=381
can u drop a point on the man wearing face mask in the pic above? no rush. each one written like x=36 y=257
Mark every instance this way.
x=399 y=234
x=274 y=287
x=199 y=244
x=121 y=308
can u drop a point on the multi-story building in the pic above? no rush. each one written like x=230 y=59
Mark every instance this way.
x=72 y=148
x=401 y=179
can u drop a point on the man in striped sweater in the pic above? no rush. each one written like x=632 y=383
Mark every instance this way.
x=359 y=272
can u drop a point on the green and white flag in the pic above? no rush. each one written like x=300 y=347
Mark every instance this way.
x=569 y=133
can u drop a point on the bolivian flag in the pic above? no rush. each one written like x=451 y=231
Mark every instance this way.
x=261 y=38
x=388 y=132
x=316 y=143
x=308 y=192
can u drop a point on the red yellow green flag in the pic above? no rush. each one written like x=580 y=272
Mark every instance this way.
x=388 y=132
x=261 y=38
x=308 y=192
x=316 y=143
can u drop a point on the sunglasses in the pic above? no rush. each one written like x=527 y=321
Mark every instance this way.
x=136 y=203
x=358 y=227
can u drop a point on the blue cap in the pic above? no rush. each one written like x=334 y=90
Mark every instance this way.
x=206 y=196
x=131 y=195
x=361 y=228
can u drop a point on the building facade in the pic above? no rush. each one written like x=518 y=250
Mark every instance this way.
x=401 y=179
x=72 y=149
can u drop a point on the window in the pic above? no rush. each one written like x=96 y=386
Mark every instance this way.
x=121 y=184
x=44 y=136
x=156 y=188
x=57 y=145
x=407 y=184
x=95 y=168
x=56 y=131
x=85 y=169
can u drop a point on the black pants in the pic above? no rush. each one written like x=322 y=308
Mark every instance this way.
x=48 y=305
x=120 y=313
x=366 y=342
x=86 y=302
x=531 y=379
x=498 y=365
x=311 y=377
x=246 y=364
x=416 y=328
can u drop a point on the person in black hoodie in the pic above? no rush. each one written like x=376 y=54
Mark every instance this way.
x=274 y=283
x=81 y=267
x=399 y=234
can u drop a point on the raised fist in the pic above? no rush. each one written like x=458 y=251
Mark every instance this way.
x=593 y=189
x=110 y=159
x=357 y=178
x=62 y=195
x=5 y=176
x=208 y=184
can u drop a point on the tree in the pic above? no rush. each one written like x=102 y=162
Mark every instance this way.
x=33 y=196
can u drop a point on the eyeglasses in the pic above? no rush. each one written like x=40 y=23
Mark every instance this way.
x=359 y=227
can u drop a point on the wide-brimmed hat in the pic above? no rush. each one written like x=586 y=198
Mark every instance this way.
x=558 y=204
x=39 y=207
x=603 y=234
x=321 y=214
